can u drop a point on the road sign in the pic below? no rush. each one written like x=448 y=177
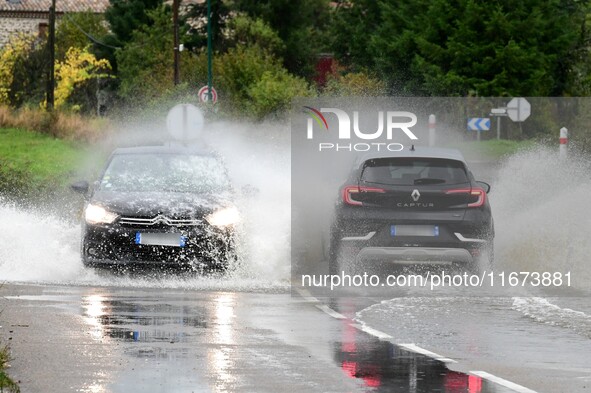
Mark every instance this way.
x=203 y=96
x=518 y=109
x=479 y=124
x=184 y=122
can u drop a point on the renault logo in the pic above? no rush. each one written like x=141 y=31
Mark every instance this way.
x=161 y=220
x=415 y=195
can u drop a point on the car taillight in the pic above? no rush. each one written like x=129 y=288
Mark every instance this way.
x=349 y=191
x=479 y=192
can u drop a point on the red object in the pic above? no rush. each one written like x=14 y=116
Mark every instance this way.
x=563 y=141
x=348 y=190
x=472 y=191
x=324 y=68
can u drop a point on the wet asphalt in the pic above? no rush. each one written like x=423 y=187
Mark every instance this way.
x=102 y=339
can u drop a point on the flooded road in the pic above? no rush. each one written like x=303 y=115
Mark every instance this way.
x=71 y=329
x=92 y=339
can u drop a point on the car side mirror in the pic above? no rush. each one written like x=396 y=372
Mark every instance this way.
x=81 y=187
x=485 y=186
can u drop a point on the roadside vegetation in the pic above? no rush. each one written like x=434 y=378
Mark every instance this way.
x=7 y=385
x=119 y=65
x=36 y=166
x=491 y=149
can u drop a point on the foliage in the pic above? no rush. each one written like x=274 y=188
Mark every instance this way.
x=354 y=84
x=254 y=81
x=497 y=48
x=146 y=62
x=6 y=384
x=124 y=18
x=19 y=69
x=243 y=30
x=196 y=14
x=273 y=92
x=70 y=33
x=300 y=24
x=79 y=67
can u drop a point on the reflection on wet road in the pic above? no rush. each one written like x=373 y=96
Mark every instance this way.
x=118 y=340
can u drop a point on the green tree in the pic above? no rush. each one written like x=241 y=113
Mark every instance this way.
x=300 y=24
x=146 y=61
x=73 y=31
x=124 y=18
x=463 y=47
x=197 y=14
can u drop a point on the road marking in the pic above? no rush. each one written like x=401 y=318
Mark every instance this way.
x=502 y=382
x=330 y=311
x=307 y=295
x=373 y=332
x=423 y=351
x=412 y=347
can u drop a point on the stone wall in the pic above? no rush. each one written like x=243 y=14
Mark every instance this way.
x=12 y=25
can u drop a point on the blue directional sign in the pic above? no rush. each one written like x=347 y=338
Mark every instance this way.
x=479 y=124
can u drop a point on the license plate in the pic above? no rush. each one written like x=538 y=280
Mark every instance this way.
x=160 y=239
x=414 y=230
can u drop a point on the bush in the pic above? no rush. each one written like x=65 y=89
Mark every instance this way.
x=355 y=84
x=273 y=93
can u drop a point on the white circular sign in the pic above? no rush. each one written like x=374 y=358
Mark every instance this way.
x=518 y=109
x=185 y=122
x=204 y=97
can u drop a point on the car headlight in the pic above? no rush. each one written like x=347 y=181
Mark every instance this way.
x=97 y=215
x=224 y=217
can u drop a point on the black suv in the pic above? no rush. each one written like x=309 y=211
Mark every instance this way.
x=416 y=207
x=163 y=204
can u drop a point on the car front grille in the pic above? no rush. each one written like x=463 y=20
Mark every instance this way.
x=159 y=220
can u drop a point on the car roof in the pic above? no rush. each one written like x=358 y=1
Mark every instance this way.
x=418 y=152
x=165 y=149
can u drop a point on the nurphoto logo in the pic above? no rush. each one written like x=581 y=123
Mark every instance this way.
x=394 y=121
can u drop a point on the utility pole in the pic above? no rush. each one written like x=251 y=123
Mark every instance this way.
x=175 y=22
x=209 y=72
x=51 y=45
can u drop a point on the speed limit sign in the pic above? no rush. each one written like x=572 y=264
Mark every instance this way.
x=204 y=97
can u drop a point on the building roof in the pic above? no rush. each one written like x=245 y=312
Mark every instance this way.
x=97 y=6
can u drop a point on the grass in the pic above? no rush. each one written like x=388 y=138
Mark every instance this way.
x=491 y=149
x=34 y=164
x=45 y=157
x=6 y=384
x=64 y=125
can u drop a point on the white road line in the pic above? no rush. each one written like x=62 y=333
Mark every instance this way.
x=307 y=295
x=373 y=332
x=330 y=311
x=502 y=382
x=423 y=351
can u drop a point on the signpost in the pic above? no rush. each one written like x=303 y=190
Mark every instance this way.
x=478 y=124
x=185 y=122
x=518 y=109
x=204 y=95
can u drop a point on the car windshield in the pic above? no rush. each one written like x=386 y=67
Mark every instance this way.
x=414 y=171
x=165 y=172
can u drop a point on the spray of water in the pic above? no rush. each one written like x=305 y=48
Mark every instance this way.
x=37 y=246
x=541 y=212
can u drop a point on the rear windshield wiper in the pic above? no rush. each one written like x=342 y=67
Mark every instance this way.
x=428 y=180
